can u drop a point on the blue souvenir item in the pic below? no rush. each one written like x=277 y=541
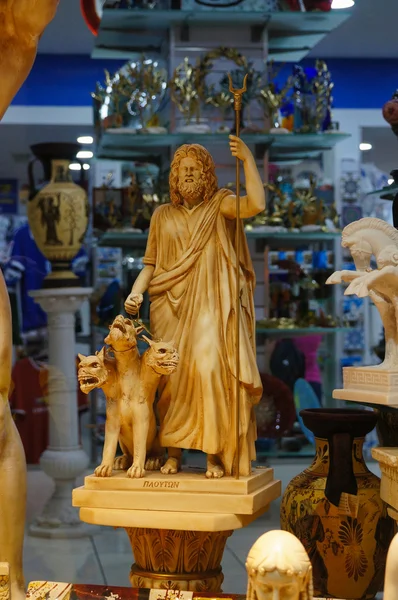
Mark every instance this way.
x=304 y=398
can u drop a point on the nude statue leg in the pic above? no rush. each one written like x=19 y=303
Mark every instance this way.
x=13 y=500
x=173 y=463
x=215 y=470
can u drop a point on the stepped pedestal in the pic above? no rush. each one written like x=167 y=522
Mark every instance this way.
x=178 y=525
x=369 y=385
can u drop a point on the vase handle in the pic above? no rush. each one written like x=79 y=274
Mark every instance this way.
x=341 y=476
x=31 y=178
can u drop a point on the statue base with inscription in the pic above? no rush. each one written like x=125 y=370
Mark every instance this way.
x=178 y=525
x=369 y=385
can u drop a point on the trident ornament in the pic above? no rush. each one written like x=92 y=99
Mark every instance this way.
x=237 y=94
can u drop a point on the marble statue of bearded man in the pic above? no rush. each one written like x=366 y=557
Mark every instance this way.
x=190 y=273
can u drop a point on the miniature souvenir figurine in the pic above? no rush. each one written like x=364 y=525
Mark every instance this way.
x=12 y=463
x=129 y=382
x=190 y=275
x=21 y=29
x=278 y=568
x=366 y=238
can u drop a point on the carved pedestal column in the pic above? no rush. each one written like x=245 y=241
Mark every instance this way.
x=5 y=588
x=183 y=560
x=388 y=462
x=64 y=458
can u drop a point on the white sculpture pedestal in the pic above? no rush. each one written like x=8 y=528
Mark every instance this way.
x=177 y=525
x=371 y=385
x=388 y=461
x=64 y=460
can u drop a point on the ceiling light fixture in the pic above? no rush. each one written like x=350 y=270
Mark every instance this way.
x=86 y=166
x=75 y=167
x=338 y=4
x=84 y=154
x=363 y=146
x=85 y=139
x=390 y=181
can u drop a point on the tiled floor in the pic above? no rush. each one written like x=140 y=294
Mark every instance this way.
x=105 y=558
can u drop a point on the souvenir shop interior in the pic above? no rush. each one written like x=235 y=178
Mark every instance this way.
x=198 y=239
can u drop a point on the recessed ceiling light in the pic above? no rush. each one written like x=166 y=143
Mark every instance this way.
x=337 y=4
x=85 y=139
x=75 y=167
x=86 y=166
x=363 y=146
x=390 y=181
x=84 y=154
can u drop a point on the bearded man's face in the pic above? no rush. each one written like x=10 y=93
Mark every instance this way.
x=190 y=183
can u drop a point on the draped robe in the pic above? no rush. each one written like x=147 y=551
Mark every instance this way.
x=192 y=295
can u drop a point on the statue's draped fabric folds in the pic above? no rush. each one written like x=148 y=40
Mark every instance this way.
x=192 y=291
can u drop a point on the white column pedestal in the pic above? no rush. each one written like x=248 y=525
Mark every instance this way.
x=64 y=460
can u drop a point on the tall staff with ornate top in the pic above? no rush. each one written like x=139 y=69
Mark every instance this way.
x=237 y=93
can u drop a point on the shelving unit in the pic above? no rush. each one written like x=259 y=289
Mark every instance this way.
x=119 y=145
x=291 y=35
x=282 y=36
x=127 y=239
x=299 y=331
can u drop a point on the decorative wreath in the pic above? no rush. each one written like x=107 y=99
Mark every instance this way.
x=205 y=64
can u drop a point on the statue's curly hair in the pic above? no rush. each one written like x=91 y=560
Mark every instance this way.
x=279 y=551
x=204 y=158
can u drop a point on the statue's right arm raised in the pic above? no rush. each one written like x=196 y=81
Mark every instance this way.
x=22 y=23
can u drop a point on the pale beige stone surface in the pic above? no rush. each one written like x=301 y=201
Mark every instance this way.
x=188 y=480
x=369 y=384
x=180 y=521
x=176 y=500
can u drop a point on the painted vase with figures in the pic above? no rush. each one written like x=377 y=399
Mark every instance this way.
x=334 y=508
x=58 y=212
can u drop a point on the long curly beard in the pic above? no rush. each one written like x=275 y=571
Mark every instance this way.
x=191 y=191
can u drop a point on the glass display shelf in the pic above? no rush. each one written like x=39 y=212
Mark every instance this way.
x=119 y=145
x=299 y=331
x=307 y=451
x=291 y=35
x=130 y=239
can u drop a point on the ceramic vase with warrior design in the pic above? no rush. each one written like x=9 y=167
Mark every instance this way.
x=58 y=213
x=334 y=508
